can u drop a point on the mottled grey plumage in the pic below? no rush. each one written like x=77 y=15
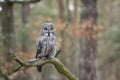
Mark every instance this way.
x=46 y=44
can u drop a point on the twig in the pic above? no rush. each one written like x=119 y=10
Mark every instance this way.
x=4 y=74
x=58 y=52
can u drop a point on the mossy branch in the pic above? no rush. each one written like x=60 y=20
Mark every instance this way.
x=35 y=62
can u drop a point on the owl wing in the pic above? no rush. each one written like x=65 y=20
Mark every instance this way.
x=39 y=48
x=52 y=52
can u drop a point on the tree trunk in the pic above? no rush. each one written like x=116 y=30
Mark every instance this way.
x=73 y=38
x=8 y=29
x=89 y=43
x=68 y=11
x=25 y=36
x=47 y=72
x=25 y=20
x=25 y=13
x=60 y=10
x=75 y=13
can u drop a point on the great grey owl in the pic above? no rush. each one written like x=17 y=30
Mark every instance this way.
x=46 y=44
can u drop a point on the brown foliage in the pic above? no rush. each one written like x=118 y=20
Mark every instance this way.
x=88 y=29
x=26 y=56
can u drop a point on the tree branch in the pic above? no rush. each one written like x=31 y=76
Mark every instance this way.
x=4 y=74
x=35 y=62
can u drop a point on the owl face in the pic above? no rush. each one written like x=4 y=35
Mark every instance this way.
x=48 y=30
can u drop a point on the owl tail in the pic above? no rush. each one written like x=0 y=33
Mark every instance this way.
x=39 y=68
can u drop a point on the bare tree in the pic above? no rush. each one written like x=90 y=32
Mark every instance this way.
x=73 y=38
x=68 y=11
x=89 y=43
x=25 y=20
x=60 y=10
x=8 y=31
x=8 y=28
x=75 y=12
x=8 y=23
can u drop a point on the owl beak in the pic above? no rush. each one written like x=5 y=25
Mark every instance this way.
x=48 y=32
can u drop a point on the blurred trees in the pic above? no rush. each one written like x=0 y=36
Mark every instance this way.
x=8 y=31
x=88 y=42
x=25 y=20
x=24 y=35
x=60 y=10
x=108 y=53
x=8 y=23
x=8 y=28
x=68 y=12
x=65 y=15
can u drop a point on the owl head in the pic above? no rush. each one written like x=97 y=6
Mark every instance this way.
x=48 y=29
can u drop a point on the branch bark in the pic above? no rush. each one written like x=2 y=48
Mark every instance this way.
x=35 y=62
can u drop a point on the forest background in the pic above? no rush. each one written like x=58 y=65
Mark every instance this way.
x=87 y=34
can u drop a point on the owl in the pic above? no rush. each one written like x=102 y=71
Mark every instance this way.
x=46 y=44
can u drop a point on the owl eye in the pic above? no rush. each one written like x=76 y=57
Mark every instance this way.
x=51 y=28
x=45 y=28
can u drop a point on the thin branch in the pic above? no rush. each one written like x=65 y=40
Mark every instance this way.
x=4 y=74
x=35 y=62
x=58 y=52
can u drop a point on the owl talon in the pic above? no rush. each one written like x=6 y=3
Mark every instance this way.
x=44 y=58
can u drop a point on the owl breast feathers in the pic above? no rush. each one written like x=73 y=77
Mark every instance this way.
x=46 y=47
